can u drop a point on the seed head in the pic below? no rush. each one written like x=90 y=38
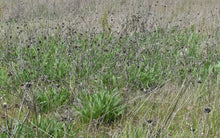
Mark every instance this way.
x=16 y=105
x=192 y=129
x=207 y=110
x=4 y=105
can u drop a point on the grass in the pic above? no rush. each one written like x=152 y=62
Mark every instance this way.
x=100 y=106
x=147 y=72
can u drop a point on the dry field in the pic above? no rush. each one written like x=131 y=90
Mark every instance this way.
x=110 y=68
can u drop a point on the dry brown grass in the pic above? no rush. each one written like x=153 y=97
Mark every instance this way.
x=204 y=14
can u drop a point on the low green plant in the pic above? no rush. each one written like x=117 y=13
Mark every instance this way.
x=104 y=105
x=52 y=98
x=53 y=128
x=47 y=128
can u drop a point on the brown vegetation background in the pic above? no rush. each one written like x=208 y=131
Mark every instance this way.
x=147 y=14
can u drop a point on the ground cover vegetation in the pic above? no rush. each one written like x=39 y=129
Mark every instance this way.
x=106 y=68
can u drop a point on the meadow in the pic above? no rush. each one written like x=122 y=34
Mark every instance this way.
x=109 y=68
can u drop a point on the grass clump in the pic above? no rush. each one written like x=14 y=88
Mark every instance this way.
x=50 y=99
x=49 y=127
x=103 y=106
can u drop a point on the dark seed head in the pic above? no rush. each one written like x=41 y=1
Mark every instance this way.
x=22 y=86
x=64 y=118
x=189 y=70
x=16 y=105
x=10 y=74
x=28 y=85
x=207 y=110
x=149 y=121
x=192 y=129
x=57 y=85
x=4 y=105
x=105 y=50
x=3 y=117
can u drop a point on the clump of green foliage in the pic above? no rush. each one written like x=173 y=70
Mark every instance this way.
x=49 y=127
x=50 y=99
x=102 y=106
